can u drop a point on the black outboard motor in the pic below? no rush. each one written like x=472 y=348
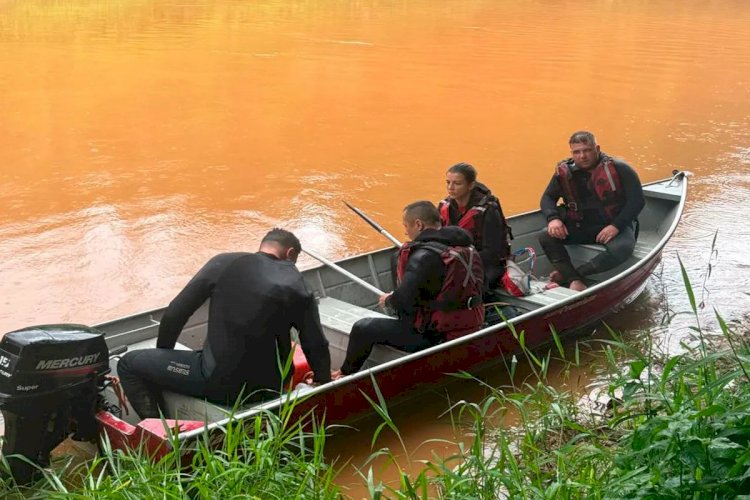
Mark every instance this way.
x=50 y=377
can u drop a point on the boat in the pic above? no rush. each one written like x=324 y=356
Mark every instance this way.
x=390 y=374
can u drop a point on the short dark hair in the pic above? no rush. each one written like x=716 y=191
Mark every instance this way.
x=282 y=237
x=582 y=137
x=465 y=169
x=424 y=211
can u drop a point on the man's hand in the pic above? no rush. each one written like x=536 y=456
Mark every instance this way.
x=382 y=299
x=557 y=229
x=607 y=234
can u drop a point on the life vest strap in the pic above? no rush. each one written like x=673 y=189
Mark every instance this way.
x=455 y=305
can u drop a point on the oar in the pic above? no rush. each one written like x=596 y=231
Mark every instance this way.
x=346 y=273
x=374 y=224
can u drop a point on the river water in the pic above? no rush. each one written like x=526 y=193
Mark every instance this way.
x=140 y=137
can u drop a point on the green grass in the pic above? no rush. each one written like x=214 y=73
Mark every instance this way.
x=674 y=427
x=670 y=426
x=267 y=458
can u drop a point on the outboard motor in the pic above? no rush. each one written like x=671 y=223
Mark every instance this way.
x=50 y=377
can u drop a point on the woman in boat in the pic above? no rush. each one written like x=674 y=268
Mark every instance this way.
x=471 y=206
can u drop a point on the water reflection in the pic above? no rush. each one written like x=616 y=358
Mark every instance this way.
x=138 y=138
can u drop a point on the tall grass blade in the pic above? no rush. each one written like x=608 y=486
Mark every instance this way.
x=688 y=286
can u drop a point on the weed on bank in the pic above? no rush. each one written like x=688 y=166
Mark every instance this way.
x=269 y=457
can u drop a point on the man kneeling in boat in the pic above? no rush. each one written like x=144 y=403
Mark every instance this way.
x=438 y=294
x=602 y=198
x=255 y=299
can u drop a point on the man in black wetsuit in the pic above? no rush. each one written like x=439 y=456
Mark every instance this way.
x=255 y=299
x=602 y=198
x=439 y=292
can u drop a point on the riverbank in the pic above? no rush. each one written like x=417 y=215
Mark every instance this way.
x=656 y=424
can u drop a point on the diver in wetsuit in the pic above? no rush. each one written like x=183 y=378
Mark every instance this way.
x=255 y=299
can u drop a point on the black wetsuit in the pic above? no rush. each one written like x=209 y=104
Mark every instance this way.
x=421 y=283
x=255 y=300
x=585 y=231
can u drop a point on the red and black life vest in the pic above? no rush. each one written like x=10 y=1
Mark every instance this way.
x=605 y=183
x=473 y=219
x=457 y=310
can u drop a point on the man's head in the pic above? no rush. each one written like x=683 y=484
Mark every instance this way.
x=281 y=243
x=584 y=149
x=419 y=216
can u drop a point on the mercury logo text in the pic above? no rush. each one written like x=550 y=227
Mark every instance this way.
x=54 y=364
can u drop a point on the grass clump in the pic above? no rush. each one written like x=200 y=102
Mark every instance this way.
x=268 y=457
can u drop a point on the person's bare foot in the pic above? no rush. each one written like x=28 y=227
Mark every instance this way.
x=555 y=276
x=577 y=285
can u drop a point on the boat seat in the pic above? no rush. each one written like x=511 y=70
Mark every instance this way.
x=539 y=296
x=641 y=249
x=338 y=317
x=341 y=316
x=179 y=406
x=544 y=297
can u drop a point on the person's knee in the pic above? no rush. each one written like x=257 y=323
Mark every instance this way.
x=362 y=325
x=620 y=248
x=125 y=364
x=134 y=364
x=545 y=239
x=358 y=327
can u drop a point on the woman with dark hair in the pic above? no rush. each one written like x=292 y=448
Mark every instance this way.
x=471 y=206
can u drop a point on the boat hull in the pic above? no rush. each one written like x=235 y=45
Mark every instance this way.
x=563 y=310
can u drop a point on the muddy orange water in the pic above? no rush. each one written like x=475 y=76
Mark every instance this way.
x=140 y=137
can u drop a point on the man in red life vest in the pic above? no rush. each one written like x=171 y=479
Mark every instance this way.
x=602 y=198
x=438 y=294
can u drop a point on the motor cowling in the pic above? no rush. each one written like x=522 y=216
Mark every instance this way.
x=50 y=376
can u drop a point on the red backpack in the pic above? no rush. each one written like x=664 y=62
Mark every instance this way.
x=518 y=272
x=457 y=310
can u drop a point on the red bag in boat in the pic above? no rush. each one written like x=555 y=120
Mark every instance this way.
x=518 y=269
